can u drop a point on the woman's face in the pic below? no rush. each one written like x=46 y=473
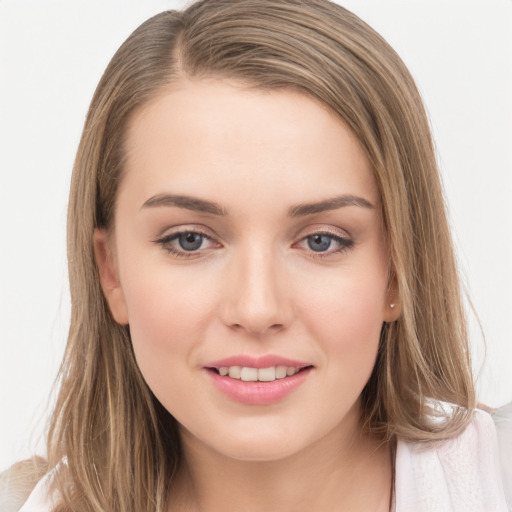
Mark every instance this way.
x=248 y=241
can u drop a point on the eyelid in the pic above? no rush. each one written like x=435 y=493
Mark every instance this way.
x=345 y=241
x=322 y=229
x=185 y=228
x=170 y=234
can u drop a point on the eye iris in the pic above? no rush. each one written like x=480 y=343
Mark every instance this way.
x=190 y=241
x=319 y=243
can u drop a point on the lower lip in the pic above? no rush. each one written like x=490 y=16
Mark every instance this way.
x=258 y=393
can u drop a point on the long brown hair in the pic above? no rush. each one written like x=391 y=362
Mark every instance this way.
x=120 y=446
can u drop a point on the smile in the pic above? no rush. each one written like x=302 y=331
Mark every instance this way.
x=248 y=374
x=257 y=381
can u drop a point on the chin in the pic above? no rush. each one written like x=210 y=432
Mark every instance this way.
x=261 y=449
x=257 y=442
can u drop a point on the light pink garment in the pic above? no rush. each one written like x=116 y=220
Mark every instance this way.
x=458 y=475
x=502 y=418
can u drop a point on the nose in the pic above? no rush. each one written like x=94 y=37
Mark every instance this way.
x=257 y=299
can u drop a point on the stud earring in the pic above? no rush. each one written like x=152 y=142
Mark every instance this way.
x=392 y=306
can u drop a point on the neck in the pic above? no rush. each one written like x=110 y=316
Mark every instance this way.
x=338 y=472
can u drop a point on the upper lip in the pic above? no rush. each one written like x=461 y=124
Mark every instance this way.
x=256 y=362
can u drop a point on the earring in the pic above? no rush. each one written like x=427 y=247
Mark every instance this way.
x=392 y=306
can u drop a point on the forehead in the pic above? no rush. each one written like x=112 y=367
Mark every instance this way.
x=219 y=136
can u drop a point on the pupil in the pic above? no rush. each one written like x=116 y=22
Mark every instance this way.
x=319 y=243
x=190 y=241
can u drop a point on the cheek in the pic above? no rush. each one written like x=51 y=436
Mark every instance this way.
x=165 y=323
x=167 y=313
x=346 y=315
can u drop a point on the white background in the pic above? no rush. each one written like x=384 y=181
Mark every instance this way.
x=52 y=55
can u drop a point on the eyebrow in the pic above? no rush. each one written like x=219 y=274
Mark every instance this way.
x=300 y=210
x=333 y=203
x=187 y=202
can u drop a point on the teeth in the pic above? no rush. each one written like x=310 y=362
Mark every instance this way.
x=234 y=372
x=267 y=374
x=280 y=372
x=248 y=374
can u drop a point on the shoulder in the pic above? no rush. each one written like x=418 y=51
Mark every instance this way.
x=41 y=499
x=502 y=418
x=456 y=475
x=18 y=482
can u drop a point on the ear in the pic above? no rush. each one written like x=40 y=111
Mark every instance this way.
x=392 y=304
x=109 y=278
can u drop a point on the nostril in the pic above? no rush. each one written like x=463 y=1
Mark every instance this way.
x=256 y=329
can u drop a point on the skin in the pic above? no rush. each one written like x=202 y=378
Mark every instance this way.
x=254 y=287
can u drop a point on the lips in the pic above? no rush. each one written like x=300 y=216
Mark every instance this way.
x=257 y=381
x=257 y=362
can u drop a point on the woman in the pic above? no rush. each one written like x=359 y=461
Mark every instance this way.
x=266 y=310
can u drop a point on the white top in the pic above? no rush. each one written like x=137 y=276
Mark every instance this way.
x=458 y=475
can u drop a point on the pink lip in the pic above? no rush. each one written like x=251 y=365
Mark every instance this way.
x=256 y=362
x=257 y=393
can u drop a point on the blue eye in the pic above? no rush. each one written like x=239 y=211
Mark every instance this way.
x=319 y=243
x=190 y=241
x=325 y=244
x=186 y=243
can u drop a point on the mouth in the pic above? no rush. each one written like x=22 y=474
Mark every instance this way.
x=250 y=374
x=258 y=380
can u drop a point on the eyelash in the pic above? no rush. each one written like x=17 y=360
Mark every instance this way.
x=165 y=242
x=345 y=244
